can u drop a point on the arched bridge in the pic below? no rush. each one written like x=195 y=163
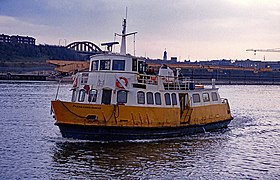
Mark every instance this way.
x=84 y=47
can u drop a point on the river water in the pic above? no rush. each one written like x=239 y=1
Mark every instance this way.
x=31 y=146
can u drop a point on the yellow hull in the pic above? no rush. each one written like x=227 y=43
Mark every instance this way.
x=135 y=116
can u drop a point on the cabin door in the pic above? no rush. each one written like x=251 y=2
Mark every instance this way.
x=186 y=111
x=182 y=98
x=106 y=96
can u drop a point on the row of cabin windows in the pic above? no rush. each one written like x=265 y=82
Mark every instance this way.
x=122 y=97
x=205 y=97
x=92 y=95
x=117 y=65
x=156 y=98
x=106 y=65
x=151 y=98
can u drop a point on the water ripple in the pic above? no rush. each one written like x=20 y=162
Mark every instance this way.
x=31 y=146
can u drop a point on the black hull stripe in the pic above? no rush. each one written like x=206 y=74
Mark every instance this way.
x=108 y=133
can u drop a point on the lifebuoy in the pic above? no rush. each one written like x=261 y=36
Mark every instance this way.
x=119 y=85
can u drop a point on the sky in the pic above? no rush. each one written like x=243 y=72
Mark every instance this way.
x=186 y=29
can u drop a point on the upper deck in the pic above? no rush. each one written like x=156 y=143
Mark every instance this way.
x=115 y=78
x=117 y=63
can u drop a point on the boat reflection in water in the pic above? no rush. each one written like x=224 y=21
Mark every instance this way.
x=135 y=159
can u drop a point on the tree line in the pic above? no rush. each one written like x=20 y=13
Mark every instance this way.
x=11 y=52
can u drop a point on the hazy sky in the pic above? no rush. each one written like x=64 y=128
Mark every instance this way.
x=188 y=29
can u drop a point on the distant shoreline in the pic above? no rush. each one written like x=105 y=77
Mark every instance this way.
x=30 y=77
x=46 y=77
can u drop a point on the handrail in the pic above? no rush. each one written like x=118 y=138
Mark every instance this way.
x=108 y=71
x=176 y=83
x=224 y=100
x=58 y=87
x=169 y=82
x=59 y=82
x=148 y=79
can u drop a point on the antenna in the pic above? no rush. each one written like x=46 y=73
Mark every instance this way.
x=123 y=35
x=114 y=40
x=134 y=44
x=125 y=12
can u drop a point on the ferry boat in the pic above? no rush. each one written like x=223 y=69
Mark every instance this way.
x=120 y=99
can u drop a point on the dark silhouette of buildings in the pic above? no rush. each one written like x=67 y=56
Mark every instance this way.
x=17 y=39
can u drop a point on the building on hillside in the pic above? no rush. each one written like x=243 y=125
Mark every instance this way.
x=17 y=39
x=23 y=40
x=4 y=38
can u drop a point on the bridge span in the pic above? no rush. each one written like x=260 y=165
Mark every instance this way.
x=84 y=47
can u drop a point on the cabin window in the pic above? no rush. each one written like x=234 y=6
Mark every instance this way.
x=134 y=64
x=92 y=95
x=82 y=95
x=214 y=96
x=150 y=98
x=74 y=95
x=122 y=96
x=105 y=64
x=167 y=99
x=119 y=65
x=206 y=97
x=157 y=98
x=94 y=65
x=196 y=98
x=174 y=99
x=140 y=67
x=141 y=97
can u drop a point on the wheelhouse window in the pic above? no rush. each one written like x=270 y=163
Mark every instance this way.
x=74 y=95
x=82 y=95
x=122 y=96
x=174 y=99
x=196 y=98
x=119 y=65
x=150 y=98
x=157 y=98
x=167 y=99
x=214 y=96
x=205 y=97
x=105 y=64
x=141 y=97
x=94 y=65
x=92 y=96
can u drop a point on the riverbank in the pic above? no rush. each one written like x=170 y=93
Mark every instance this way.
x=197 y=79
x=30 y=77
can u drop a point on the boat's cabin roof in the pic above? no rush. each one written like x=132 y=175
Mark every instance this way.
x=117 y=63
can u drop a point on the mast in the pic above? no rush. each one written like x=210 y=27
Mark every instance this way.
x=123 y=35
x=123 y=43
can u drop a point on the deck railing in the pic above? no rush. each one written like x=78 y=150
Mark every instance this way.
x=178 y=83
x=148 y=79
x=169 y=82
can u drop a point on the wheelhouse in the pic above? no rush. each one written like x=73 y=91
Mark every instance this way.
x=117 y=63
